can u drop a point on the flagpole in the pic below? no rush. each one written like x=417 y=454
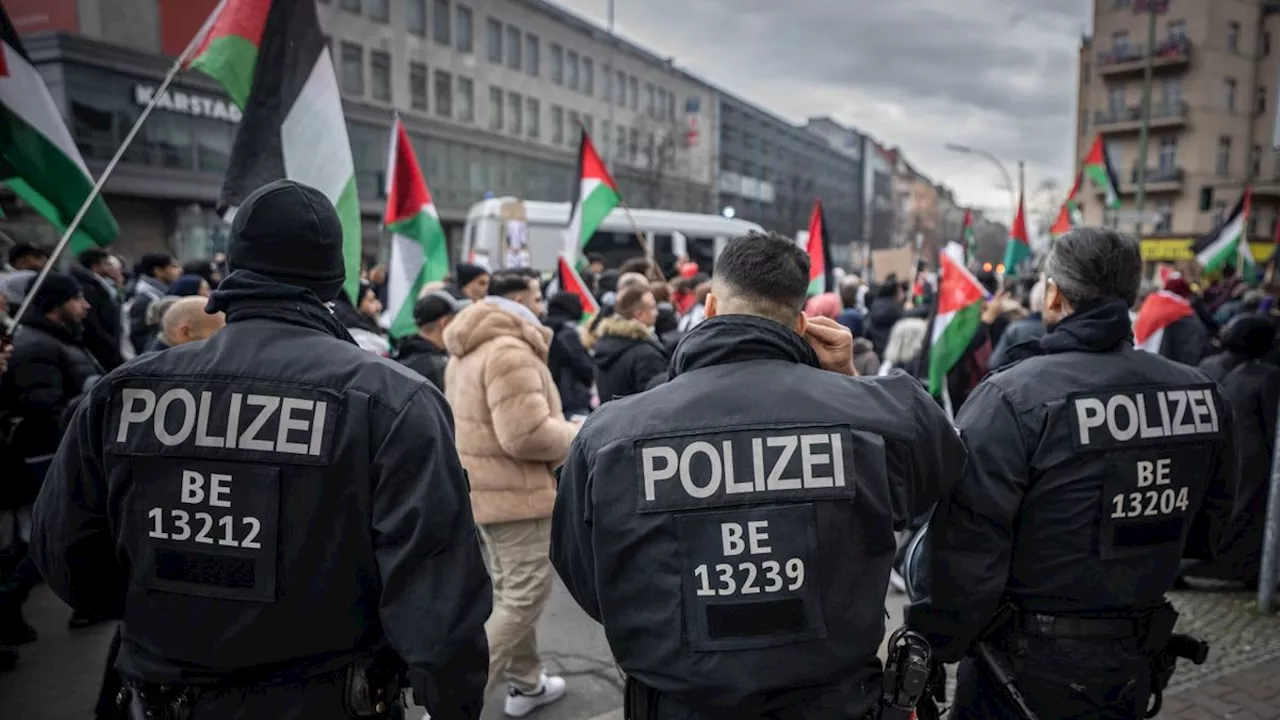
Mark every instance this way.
x=644 y=244
x=111 y=166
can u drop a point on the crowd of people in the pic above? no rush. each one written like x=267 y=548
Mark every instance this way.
x=522 y=372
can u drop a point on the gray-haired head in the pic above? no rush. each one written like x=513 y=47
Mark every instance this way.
x=1095 y=264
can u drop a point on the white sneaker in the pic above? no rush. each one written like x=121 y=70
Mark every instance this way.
x=896 y=582
x=519 y=703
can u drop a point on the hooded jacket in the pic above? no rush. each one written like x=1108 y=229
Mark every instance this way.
x=511 y=427
x=102 y=326
x=628 y=358
x=425 y=358
x=641 y=505
x=329 y=479
x=570 y=363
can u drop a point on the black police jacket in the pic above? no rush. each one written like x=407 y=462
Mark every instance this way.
x=271 y=503
x=733 y=529
x=1091 y=468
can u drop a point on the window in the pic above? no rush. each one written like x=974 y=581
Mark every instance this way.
x=1172 y=90
x=622 y=143
x=557 y=64
x=588 y=124
x=622 y=88
x=532 y=117
x=604 y=136
x=633 y=144
x=493 y=36
x=352 y=69
x=650 y=100
x=1253 y=224
x=1206 y=199
x=515 y=113
x=606 y=78
x=464 y=100
x=1233 y=37
x=1168 y=153
x=649 y=146
x=1165 y=224
x=634 y=86
x=1255 y=162
x=532 y=54
x=588 y=76
x=380 y=10
x=571 y=60
x=462 y=14
x=416 y=17
x=1224 y=155
x=495 y=109
x=380 y=75
x=440 y=16
x=444 y=94
x=573 y=129
x=1120 y=43
x=1229 y=94
x=515 y=52
x=1177 y=30
x=557 y=125
x=351 y=6
x=1260 y=101
x=418 y=86
x=1115 y=101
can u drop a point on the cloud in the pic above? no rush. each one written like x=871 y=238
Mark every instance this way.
x=991 y=74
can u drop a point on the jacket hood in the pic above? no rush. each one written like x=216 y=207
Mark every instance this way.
x=418 y=345
x=728 y=339
x=485 y=321
x=618 y=336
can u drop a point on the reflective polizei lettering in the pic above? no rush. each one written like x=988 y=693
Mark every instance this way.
x=1145 y=415
x=262 y=422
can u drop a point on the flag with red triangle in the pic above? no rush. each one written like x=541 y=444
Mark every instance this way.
x=1160 y=310
x=1097 y=165
x=822 y=276
x=595 y=196
x=957 y=315
x=1019 y=246
x=419 y=251
x=568 y=280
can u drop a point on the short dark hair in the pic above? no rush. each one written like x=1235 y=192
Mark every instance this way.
x=1090 y=264
x=640 y=265
x=92 y=257
x=629 y=299
x=595 y=258
x=768 y=273
x=203 y=268
x=849 y=295
x=509 y=282
x=154 y=261
x=24 y=251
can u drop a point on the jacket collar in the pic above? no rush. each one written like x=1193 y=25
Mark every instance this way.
x=726 y=339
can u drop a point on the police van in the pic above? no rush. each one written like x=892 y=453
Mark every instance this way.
x=539 y=228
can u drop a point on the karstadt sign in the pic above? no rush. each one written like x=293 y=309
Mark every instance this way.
x=187 y=103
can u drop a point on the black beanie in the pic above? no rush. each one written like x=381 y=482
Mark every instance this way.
x=290 y=233
x=56 y=289
x=464 y=273
x=1249 y=335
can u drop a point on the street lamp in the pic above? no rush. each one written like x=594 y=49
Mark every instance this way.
x=1008 y=182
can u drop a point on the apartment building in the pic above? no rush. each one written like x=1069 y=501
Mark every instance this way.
x=1212 y=115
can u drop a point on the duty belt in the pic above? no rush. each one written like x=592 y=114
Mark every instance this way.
x=1066 y=626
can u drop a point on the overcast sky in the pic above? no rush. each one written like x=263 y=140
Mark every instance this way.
x=992 y=74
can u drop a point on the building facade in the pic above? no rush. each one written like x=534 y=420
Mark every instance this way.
x=772 y=171
x=1212 y=116
x=879 y=216
x=492 y=92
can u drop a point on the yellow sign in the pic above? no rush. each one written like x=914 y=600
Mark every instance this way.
x=1175 y=249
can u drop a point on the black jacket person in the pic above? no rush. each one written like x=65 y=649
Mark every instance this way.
x=1093 y=469
x=272 y=506
x=733 y=529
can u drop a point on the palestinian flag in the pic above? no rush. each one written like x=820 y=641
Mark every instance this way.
x=958 y=313
x=596 y=195
x=1019 y=246
x=1159 y=311
x=822 y=277
x=39 y=160
x=1221 y=247
x=968 y=239
x=1069 y=214
x=568 y=280
x=1098 y=167
x=419 y=251
x=293 y=125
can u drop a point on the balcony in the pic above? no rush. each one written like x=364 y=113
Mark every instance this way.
x=1168 y=55
x=1164 y=116
x=1160 y=180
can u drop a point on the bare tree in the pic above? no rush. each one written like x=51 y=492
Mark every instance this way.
x=663 y=147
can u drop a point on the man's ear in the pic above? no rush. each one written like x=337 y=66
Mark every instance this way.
x=711 y=308
x=802 y=324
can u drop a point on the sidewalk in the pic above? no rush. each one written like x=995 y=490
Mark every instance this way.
x=1251 y=694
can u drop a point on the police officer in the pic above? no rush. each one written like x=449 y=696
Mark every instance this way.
x=733 y=529
x=1093 y=469
x=281 y=517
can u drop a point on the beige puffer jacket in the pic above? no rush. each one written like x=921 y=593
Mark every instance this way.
x=511 y=430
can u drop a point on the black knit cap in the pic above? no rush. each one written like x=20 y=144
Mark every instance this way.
x=57 y=289
x=290 y=233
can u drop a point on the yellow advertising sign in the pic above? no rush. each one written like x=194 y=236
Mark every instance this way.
x=1175 y=249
